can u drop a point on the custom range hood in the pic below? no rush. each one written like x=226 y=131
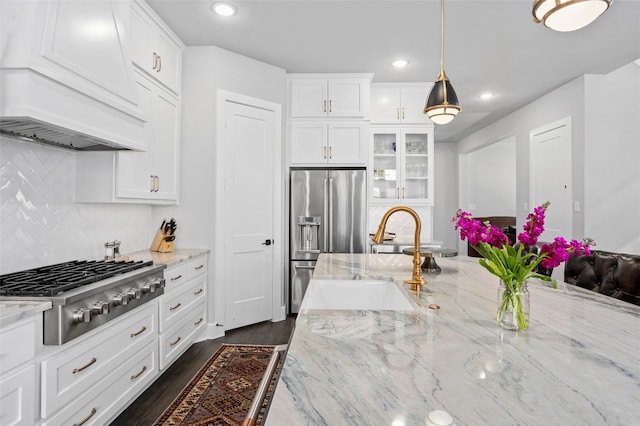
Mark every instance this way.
x=32 y=130
x=66 y=76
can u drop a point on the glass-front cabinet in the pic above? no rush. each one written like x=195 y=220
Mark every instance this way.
x=402 y=166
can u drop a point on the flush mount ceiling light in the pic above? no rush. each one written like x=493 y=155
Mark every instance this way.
x=442 y=104
x=486 y=96
x=223 y=9
x=400 y=63
x=568 y=15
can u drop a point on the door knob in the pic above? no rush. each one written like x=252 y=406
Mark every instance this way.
x=267 y=242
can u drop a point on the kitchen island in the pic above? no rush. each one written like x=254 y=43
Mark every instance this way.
x=578 y=364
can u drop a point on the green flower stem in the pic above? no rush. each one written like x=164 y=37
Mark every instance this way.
x=511 y=296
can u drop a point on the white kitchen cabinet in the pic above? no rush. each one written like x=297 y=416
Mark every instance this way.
x=399 y=103
x=137 y=177
x=18 y=370
x=110 y=396
x=183 y=308
x=86 y=365
x=329 y=95
x=402 y=165
x=321 y=142
x=154 y=48
x=68 y=63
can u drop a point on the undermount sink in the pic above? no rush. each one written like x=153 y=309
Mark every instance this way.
x=370 y=295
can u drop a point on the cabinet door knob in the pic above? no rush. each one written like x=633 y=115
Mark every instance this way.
x=330 y=107
x=324 y=152
x=403 y=113
x=324 y=106
x=159 y=63
x=330 y=152
x=152 y=184
x=397 y=113
x=155 y=60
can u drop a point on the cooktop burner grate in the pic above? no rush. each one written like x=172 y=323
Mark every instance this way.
x=55 y=279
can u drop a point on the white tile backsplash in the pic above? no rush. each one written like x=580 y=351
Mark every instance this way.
x=40 y=224
x=402 y=223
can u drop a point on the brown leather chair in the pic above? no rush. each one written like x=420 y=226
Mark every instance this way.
x=614 y=274
x=506 y=223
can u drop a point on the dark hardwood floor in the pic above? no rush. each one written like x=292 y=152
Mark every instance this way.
x=148 y=407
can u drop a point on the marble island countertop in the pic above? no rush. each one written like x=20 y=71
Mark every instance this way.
x=12 y=311
x=578 y=364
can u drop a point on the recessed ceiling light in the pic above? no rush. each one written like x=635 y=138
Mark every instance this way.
x=223 y=9
x=486 y=96
x=400 y=63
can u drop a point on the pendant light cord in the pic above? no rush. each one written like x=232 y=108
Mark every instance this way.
x=442 y=37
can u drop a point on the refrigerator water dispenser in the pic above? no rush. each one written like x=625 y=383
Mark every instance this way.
x=309 y=227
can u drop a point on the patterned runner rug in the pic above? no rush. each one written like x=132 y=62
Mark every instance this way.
x=222 y=391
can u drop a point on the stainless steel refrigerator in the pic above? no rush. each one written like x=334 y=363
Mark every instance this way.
x=328 y=214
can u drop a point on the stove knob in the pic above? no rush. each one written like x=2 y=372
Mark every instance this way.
x=159 y=282
x=134 y=293
x=81 y=315
x=149 y=288
x=100 y=307
x=120 y=299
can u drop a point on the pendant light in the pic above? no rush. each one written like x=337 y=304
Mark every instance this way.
x=442 y=104
x=568 y=15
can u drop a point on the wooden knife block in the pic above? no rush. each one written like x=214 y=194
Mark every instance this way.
x=159 y=244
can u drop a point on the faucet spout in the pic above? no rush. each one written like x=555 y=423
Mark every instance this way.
x=416 y=281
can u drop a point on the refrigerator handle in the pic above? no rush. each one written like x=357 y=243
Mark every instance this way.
x=327 y=223
x=331 y=215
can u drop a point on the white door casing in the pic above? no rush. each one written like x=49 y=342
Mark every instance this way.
x=550 y=168
x=248 y=196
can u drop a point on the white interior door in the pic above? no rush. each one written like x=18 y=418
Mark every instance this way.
x=248 y=214
x=551 y=177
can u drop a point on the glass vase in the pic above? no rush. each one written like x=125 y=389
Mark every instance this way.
x=513 y=306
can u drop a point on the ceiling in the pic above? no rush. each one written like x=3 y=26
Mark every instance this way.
x=489 y=45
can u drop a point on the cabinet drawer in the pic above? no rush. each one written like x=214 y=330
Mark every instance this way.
x=177 y=339
x=76 y=369
x=104 y=401
x=17 y=398
x=197 y=267
x=175 y=305
x=175 y=276
x=17 y=344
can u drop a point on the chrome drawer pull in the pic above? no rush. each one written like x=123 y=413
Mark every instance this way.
x=139 y=332
x=198 y=322
x=135 y=376
x=175 y=307
x=77 y=370
x=176 y=278
x=86 y=419
x=199 y=267
x=176 y=342
x=198 y=292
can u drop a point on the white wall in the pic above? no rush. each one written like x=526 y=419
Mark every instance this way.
x=445 y=192
x=205 y=70
x=39 y=222
x=488 y=179
x=604 y=111
x=612 y=160
x=566 y=101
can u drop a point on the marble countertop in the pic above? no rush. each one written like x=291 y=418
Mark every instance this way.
x=169 y=259
x=12 y=311
x=577 y=364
